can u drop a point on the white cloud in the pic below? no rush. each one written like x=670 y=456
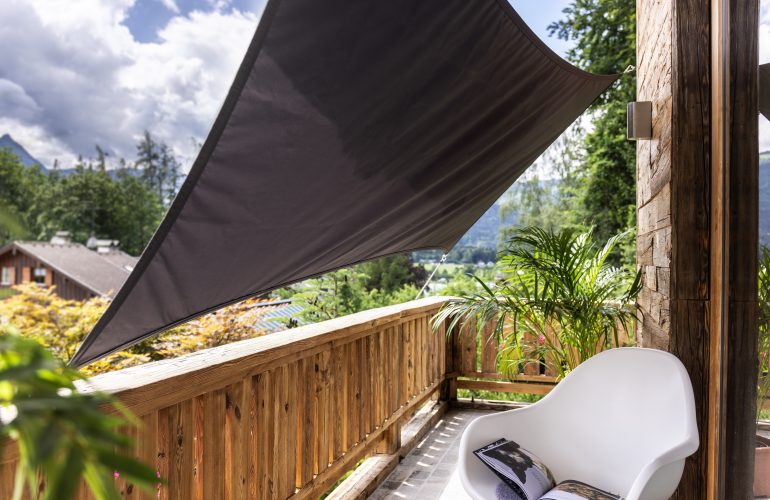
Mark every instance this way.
x=76 y=77
x=170 y=5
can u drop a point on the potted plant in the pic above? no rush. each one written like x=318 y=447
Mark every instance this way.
x=762 y=455
x=559 y=299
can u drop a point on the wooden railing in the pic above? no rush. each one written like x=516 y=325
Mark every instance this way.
x=289 y=413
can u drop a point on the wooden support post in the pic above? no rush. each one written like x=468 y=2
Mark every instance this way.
x=697 y=218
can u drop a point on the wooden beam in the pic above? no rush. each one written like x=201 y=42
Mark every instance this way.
x=741 y=205
x=734 y=243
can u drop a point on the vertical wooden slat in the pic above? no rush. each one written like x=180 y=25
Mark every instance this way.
x=379 y=377
x=164 y=444
x=360 y=381
x=280 y=426
x=425 y=354
x=292 y=419
x=181 y=434
x=340 y=389
x=265 y=434
x=198 y=409
x=214 y=439
x=408 y=362
x=236 y=439
x=323 y=424
x=353 y=401
x=468 y=352
x=306 y=394
x=124 y=487
x=489 y=349
x=367 y=383
x=251 y=393
x=147 y=447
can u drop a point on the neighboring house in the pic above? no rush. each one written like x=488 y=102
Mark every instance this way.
x=77 y=271
x=277 y=315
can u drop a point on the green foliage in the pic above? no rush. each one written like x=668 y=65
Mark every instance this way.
x=160 y=169
x=61 y=433
x=125 y=204
x=763 y=387
x=390 y=274
x=19 y=192
x=381 y=282
x=597 y=171
x=562 y=296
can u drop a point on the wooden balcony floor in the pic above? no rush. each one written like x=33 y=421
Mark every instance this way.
x=430 y=469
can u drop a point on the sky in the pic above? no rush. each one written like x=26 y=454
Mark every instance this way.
x=77 y=73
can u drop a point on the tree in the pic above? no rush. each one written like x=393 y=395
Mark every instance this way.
x=20 y=188
x=605 y=34
x=160 y=168
x=138 y=213
x=389 y=274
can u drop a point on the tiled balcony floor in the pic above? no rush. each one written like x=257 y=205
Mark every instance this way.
x=429 y=471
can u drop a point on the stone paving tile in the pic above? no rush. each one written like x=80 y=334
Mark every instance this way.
x=427 y=469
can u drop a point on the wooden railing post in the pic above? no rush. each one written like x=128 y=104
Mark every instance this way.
x=451 y=362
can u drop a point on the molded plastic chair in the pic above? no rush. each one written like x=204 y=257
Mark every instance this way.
x=623 y=421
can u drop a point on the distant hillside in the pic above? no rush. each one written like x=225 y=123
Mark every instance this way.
x=6 y=141
x=764 y=198
x=483 y=234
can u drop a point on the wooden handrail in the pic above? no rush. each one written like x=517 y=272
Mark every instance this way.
x=281 y=415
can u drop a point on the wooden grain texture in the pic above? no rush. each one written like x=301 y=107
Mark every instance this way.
x=275 y=419
x=742 y=207
x=691 y=345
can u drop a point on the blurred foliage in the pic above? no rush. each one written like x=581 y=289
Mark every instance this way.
x=378 y=283
x=60 y=325
x=763 y=386
x=62 y=434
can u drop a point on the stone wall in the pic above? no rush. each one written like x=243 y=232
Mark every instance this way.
x=653 y=166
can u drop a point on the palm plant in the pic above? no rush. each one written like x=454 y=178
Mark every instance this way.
x=763 y=386
x=559 y=299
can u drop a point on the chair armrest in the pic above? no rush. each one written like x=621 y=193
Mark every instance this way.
x=660 y=477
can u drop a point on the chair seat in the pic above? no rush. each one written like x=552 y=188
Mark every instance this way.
x=623 y=421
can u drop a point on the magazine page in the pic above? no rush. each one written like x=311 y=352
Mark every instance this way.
x=520 y=469
x=575 y=490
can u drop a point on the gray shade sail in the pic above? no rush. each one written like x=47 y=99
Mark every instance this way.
x=353 y=130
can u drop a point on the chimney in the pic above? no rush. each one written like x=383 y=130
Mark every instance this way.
x=106 y=246
x=61 y=238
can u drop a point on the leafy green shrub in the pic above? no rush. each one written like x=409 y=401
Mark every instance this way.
x=61 y=433
x=763 y=385
x=558 y=299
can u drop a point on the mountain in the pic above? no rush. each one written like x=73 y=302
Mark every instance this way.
x=6 y=141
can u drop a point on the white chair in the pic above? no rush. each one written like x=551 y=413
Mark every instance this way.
x=623 y=421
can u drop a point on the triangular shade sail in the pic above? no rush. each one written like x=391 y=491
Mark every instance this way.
x=353 y=130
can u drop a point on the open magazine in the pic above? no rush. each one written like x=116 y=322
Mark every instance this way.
x=525 y=477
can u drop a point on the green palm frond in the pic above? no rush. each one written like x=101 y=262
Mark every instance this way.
x=560 y=281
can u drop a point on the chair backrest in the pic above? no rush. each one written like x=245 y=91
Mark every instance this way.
x=613 y=415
